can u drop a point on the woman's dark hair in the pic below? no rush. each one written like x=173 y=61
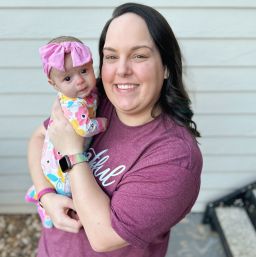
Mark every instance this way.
x=174 y=99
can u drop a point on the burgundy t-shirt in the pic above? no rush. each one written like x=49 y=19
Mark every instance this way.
x=152 y=175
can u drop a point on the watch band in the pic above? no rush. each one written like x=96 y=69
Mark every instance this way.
x=68 y=161
x=77 y=158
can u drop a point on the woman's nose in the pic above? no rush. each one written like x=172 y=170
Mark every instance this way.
x=124 y=68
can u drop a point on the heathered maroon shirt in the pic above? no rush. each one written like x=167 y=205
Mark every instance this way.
x=152 y=175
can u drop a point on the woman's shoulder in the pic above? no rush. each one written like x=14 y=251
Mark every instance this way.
x=177 y=145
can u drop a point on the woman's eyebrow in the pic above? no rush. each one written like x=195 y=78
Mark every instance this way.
x=133 y=48
x=142 y=46
x=109 y=49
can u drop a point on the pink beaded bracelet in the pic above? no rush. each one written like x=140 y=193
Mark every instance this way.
x=45 y=191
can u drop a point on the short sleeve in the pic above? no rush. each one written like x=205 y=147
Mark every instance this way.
x=151 y=200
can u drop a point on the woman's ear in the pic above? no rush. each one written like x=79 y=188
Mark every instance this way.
x=166 y=73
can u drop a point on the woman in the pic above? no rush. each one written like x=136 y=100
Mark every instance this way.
x=143 y=174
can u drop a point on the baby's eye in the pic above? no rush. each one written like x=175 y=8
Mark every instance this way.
x=67 y=78
x=83 y=71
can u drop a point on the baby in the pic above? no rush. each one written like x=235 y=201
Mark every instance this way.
x=67 y=62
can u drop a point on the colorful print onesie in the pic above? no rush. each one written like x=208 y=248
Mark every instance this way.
x=81 y=113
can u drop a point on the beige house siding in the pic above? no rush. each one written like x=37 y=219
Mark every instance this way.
x=218 y=40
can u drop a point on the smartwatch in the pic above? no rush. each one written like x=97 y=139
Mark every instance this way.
x=68 y=161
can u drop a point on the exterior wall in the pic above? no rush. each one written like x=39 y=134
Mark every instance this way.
x=218 y=40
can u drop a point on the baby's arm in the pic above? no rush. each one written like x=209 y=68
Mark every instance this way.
x=81 y=115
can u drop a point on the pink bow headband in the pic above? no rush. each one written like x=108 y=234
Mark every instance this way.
x=53 y=55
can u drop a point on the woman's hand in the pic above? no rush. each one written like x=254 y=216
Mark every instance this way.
x=62 y=212
x=62 y=134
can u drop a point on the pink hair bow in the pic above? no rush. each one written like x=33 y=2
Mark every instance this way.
x=53 y=54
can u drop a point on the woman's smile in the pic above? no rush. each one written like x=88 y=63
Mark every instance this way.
x=126 y=86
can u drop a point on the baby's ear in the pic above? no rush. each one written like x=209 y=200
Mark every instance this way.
x=51 y=82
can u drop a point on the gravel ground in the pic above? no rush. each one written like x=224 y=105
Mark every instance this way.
x=19 y=235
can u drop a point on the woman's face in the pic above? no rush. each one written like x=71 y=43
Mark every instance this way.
x=132 y=70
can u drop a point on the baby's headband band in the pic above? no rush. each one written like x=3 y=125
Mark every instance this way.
x=53 y=55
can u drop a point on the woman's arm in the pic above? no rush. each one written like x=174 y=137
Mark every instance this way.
x=35 y=147
x=93 y=208
x=90 y=201
x=55 y=205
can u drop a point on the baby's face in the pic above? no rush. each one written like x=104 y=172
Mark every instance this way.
x=74 y=81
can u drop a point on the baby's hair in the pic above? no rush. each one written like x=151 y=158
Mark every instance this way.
x=65 y=39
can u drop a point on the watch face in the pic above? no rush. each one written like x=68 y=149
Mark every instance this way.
x=65 y=164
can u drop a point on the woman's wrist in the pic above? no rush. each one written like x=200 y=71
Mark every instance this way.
x=72 y=149
x=43 y=192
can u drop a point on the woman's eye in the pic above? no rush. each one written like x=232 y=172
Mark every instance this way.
x=67 y=78
x=109 y=57
x=139 y=56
